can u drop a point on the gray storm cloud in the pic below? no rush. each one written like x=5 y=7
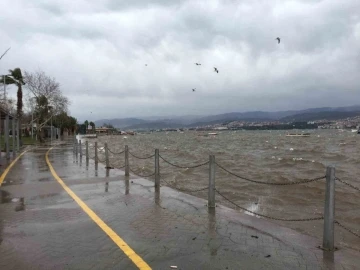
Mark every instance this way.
x=97 y=50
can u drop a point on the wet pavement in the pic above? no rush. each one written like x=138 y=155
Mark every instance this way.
x=42 y=227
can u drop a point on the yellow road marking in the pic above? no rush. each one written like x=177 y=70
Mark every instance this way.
x=137 y=260
x=8 y=168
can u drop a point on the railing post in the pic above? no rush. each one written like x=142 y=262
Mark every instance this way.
x=127 y=169
x=76 y=148
x=107 y=163
x=157 y=171
x=7 y=149
x=87 y=150
x=74 y=144
x=211 y=194
x=18 y=136
x=329 y=209
x=80 y=147
x=96 y=154
x=13 y=136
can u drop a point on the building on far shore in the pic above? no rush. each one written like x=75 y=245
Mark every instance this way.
x=98 y=130
x=103 y=130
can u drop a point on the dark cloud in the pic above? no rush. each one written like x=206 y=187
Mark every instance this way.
x=97 y=50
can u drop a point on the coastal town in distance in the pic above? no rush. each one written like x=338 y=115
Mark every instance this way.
x=341 y=120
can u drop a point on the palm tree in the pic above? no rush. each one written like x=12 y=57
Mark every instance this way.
x=92 y=124
x=86 y=123
x=15 y=77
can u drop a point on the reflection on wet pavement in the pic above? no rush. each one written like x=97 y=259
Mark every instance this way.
x=21 y=205
x=5 y=196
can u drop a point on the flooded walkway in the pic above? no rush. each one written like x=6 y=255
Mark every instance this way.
x=70 y=216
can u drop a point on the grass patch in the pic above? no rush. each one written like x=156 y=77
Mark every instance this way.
x=28 y=140
x=25 y=141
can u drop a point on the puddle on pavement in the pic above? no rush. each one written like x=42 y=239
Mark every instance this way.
x=44 y=196
x=6 y=198
x=21 y=205
x=11 y=182
x=45 y=179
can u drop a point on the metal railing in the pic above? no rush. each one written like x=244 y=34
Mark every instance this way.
x=330 y=179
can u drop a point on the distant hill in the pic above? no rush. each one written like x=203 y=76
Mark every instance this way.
x=263 y=116
x=355 y=108
x=120 y=122
x=184 y=120
x=227 y=121
x=154 y=125
x=312 y=116
x=160 y=122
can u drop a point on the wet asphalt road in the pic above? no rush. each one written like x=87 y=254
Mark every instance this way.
x=42 y=227
x=49 y=231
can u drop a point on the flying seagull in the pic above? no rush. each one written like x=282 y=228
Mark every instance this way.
x=194 y=89
x=198 y=64
x=278 y=39
x=216 y=70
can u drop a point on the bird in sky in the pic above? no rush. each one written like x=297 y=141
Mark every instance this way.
x=278 y=39
x=198 y=64
x=216 y=70
x=145 y=65
x=194 y=89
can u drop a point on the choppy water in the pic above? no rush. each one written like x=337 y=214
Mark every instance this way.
x=260 y=155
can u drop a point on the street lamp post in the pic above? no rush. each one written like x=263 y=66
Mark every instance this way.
x=5 y=88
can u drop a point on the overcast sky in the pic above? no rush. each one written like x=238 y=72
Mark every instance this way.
x=97 y=50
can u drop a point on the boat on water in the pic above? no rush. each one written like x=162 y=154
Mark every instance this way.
x=355 y=130
x=207 y=134
x=297 y=135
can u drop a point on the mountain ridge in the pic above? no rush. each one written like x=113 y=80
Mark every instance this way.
x=252 y=116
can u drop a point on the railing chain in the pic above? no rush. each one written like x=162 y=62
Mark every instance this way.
x=185 y=190
x=148 y=157
x=116 y=153
x=183 y=167
x=266 y=216
x=348 y=184
x=269 y=183
x=347 y=229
